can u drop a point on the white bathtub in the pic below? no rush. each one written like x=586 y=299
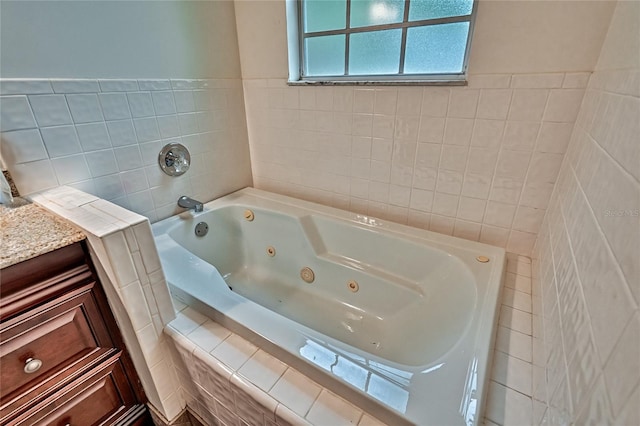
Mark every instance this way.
x=412 y=344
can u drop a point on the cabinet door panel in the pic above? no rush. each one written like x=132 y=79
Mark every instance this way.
x=98 y=398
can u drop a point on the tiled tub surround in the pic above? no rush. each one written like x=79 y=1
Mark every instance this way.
x=478 y=162
x=413 y=343
x=128 y=265
x=103 y=137
x=510 y=400
x=224 y=378
x=587 y=254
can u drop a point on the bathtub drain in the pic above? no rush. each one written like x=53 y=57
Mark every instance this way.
x=201 y=229
x=271 y=251
x=353 y=285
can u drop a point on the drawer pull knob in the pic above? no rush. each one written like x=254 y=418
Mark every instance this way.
x=32 y=365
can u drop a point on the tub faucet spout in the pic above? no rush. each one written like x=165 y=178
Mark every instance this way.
x=190 y=203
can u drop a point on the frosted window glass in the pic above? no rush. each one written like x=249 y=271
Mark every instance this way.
x=436 y=49
x=323 y=15
x=325 y=55
x=432 y=9
x=376 y=12
x=376 y=52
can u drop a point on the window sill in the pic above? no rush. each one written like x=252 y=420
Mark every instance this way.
x=377 y=83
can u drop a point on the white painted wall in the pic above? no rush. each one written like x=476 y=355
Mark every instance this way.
x=510 y=36
x=118 y=39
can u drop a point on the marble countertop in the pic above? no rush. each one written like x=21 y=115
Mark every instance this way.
x=29 y=231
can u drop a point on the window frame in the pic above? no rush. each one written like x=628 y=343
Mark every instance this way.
x=296 y=37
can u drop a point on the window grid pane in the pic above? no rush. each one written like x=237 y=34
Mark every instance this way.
x=433 y=9
x=429 y=14
x=436 y=49
x=324 y=15
x=324 y=56
x=375 y=52
x=366 y=14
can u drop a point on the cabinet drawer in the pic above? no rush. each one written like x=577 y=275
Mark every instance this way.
x=36 y=280
x=65 y=335
x=102 y=397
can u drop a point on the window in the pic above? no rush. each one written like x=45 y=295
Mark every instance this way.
x=379 y=40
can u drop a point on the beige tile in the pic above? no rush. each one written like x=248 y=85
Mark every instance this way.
x=253 y=398
x=516 y=344
x=263 y=370
x=151 y=345
x=630 y=414
x=489 y=81
x=528 y=104
x=367 y=420
x=120 y=257
x=435 y=102
x=508 y=407
x=463 y=103
x=494 y=104
x=537 y=81
x=622 y=370
x=516 y=299
x=209 y=335
x=147 y=246
x=512 y=372
x=518 y=282
x=576 y=80
x=563 y=105
x=515 y=319
x=188 y=320
x=295 y=391
x=136 y=305
x=234 y=351
x=286 y=417
x=494 y=235
x=329 y=409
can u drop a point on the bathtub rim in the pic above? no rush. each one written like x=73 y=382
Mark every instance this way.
x=488 y=317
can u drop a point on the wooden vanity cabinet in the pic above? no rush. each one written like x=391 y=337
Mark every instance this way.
x=62 y=358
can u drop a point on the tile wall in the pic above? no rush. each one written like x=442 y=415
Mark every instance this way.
x=103 y=137
x=517 y=386
x=477 y=162
x=588 y=253
x=127 y=262
x=225 y=379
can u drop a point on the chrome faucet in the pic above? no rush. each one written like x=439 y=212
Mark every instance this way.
x=190 y=203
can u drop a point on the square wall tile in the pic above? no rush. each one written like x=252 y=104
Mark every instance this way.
x=114 y=106
x=93 y=136
x=22 y=146
x=71 y=169
x=329 y=409
x=121 y=132
x=50 y=110
x=34 y=176
x=101 y=163
x=85 y=108
x=140 y=104
x=528 y=104
x=263 y=370
x=295 y=391
x=15 y=113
